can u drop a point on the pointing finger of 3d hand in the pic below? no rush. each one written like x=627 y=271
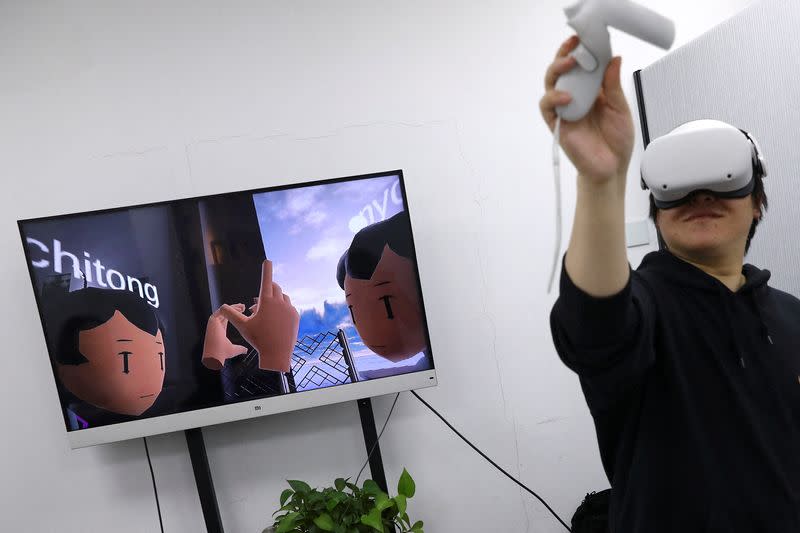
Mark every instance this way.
x=277 y=292
x=266 y=280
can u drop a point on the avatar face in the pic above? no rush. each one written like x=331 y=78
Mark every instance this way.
x=386 y=308
x=125 y=368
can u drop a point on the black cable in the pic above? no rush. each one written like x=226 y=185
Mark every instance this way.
x=155 y=489
x=512 y=478
x=369 y=455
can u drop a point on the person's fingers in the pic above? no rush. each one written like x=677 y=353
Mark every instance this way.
x=266 y=280
x=548 y=104
x=567 y=46
x=556 y=69
x=287 y=299
x=253 y=308
x=234 y=317
x=612 y=86
x=239 y=307
x=277 y=292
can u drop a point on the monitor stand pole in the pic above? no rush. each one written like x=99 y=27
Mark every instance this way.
x=371 y=440
x=202 y=478
x=205 y=485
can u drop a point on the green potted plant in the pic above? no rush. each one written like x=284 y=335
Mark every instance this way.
x=345 y=508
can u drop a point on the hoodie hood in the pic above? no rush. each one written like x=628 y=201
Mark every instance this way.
x=682 y=273
x=686 y=274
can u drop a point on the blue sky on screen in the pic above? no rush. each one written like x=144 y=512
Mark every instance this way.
x=305 y=232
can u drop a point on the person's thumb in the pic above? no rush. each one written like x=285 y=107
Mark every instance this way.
x=612 y=86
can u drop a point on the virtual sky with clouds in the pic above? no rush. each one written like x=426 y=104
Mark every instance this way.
x=305 y=232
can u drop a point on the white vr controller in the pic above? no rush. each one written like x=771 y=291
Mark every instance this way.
x=590 y=19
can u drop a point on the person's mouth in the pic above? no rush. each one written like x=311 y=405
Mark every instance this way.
x=701 y=215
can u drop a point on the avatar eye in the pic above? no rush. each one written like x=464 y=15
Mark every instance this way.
x=125 y=356
x=388 y=305
x=161 y=359
x=351 y=314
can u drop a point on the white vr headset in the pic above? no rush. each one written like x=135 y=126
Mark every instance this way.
x=701 y=155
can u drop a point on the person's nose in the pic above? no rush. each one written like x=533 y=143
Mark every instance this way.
x=701 y=197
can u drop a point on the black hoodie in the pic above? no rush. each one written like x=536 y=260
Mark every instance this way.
x=695 y=394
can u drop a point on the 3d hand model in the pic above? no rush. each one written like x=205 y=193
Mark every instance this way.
x=217 y=348
x=273 y=326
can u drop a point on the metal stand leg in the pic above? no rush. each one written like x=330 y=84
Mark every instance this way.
x=370 y=440
x=202 y=477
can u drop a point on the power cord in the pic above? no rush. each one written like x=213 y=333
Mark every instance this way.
x=374 y=446
x=369 y=455
x=512 y=478
x=557 y=177
x=153 y=476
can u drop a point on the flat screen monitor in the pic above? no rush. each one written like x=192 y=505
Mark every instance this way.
x=192 y=312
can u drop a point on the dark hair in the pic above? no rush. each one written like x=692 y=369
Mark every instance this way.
x=69 y=313
x=361 y=259
x=758 y=195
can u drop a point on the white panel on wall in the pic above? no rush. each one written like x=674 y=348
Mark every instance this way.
x=746 y=72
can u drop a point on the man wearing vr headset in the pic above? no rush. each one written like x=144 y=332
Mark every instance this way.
x=690 y=364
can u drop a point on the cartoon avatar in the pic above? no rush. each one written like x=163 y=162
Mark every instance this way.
x=108 y=349
x=271 y=329
x=378 y=276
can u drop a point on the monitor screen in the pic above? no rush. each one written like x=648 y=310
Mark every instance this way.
x=192 y=312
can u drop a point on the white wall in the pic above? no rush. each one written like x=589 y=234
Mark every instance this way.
x=110 y=103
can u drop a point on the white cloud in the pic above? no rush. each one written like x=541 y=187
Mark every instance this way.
x=298 y=201
x=304 y=298
x=315 y=218
x=345 y=324
x=330 y=248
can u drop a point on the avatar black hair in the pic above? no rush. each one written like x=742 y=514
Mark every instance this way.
x=361 y=259
x=69 y=313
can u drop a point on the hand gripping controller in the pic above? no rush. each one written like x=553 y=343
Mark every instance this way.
x=590 y=19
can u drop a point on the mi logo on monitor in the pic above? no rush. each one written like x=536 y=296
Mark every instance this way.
x=257 y=407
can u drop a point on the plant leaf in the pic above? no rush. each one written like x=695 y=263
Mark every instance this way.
x=340 y=484
x=382 y=501
x=370 y=487
x=299 y=486
x=406 y=485
x=287 y=523
x=417 y=527
x=401 y=503
x=373 y=520
x=332 y=503
x=285 y=496
x=288 y=507
x=324 y=522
